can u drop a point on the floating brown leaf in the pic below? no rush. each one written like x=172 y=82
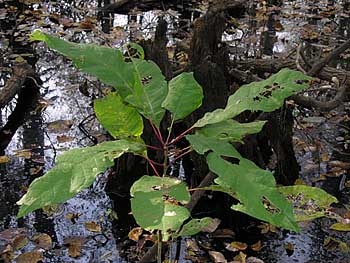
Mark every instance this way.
x=29 y=257
x=64 y=138
x=256 y=246
x=20 y=241
x=217 y=257
x=7 y=254
x=59 y=126
x=74 y=246
x=135 y=233
x=43 y=241
x=93 y=226
x=4 y=159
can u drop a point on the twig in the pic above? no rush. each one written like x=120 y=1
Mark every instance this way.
x=335 y=53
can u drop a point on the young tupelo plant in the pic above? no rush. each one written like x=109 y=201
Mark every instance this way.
x=141 y=91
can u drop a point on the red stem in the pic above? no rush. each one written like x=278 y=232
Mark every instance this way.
x=157 y=133
x=153 y=167
x=154 y=148
x=181 y=135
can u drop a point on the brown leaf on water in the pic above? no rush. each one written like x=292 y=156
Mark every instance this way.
x=29 y=257
x=93 y=226
x=241 y=257
x=7 y=254
x=289 y=247
x=135 y=233
x=35 y=170
x=74 y=245
x=64 y=138
x=43 y=241
x=217 y=257
x=20 y=241
x=10 y=234
x=59 y=126
x=342 y=165
x=239 y=245
x=4 y=159
x=256 y=246
x=26 y=153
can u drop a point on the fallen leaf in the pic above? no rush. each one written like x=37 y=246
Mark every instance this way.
x=20 y=241
x=217 y=257
x=256 y=246
x=43 y=241
x=59 y=126
x=26 y=153
x=239 y=245
x=4 y=159
x=7 y=254
x=29 y=257
x=135 y=233
x=289 y=247
x=342 y=165
x=64 y=138
x=74 y=245
x=93 y=226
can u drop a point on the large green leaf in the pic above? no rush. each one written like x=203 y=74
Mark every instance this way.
x=107 y=64
x=185 y=95
x=157 y=203
x=203 y=144
x=267 y=95
x=230 y=130
x=255 y=189
x=139 y=82
x=75 y=170
x=150 y=90
x=309 y=202
x=119 y=119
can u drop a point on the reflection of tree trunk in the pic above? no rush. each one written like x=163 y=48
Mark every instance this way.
x=105 y=17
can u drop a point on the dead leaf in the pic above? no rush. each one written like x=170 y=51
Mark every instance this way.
x=43 y=241
x=10 y=234
x=4 y=159
x=59 y=126
x=64 y=138
x=93 y=226
x=256 y=246
x=135 y=233
x=29 y=257
x=241 y=257
x=74 y=245
x=217 y=257
x=254 y=260
x=26 y=153
x=239 y=245
x=342 y=165
x=7 y=254
x=289 y=247
x=20 y=241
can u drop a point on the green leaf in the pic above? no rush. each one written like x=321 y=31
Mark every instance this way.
x=150 y=91
x=202 y=144
x=231 y=130
x=75 y=170
x=309 y=202
x=107 y=64
x=206 y=224
x=255 y=189
x=119 y=119
x=156 y=203
x=139 y=50
x=267 y=95
x=185 y=95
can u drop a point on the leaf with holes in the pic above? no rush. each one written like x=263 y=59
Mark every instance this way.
x=185 y=95
x=157 y=203
x=75 y=170
x=266 y=95
x=107 y=64
x=119 y=119
x=309 y=202
x=255 y=189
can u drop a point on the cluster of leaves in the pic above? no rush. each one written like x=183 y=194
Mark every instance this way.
x=141 y=91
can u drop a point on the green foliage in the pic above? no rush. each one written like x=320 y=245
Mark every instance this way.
x=157 y=203
x=267 y=95
x=119 y=119
x=185 y=95
x=255 y=189
x=205 y=224
x=309 y=202
x=75 y=170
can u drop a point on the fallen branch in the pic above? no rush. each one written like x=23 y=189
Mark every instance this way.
x=20 y=72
